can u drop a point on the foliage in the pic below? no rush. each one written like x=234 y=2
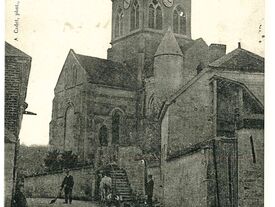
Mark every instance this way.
x=31 y=159
x=56 y=160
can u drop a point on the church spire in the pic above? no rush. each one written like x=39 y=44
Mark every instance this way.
x=169 y=45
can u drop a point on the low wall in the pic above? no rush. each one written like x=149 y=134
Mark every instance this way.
x=135 y=169
x=48 y=185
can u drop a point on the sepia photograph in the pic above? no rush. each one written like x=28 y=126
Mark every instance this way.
x=134 y=103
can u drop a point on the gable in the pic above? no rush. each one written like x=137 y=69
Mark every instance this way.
x=196 y=54
x=71 y=74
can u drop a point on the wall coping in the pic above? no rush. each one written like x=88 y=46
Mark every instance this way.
x=60 y=171
x=208 y=144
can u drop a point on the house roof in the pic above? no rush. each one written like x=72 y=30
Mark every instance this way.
x=13 y=51
x=240 y=60
x=107 y=72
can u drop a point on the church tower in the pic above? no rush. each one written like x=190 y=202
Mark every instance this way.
x=138 y=27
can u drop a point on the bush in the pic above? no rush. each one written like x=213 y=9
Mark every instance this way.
x=56 y=160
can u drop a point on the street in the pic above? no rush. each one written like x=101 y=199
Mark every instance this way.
x=44 y=202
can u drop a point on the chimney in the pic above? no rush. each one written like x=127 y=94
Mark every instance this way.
x=216 y=51
x=239 y=45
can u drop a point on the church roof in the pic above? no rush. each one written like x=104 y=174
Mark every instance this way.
x=240 y=60
x=107 y=72
x=169 y=45
x=13 y=51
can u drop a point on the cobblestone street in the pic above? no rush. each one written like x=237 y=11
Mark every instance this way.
x=44 y=202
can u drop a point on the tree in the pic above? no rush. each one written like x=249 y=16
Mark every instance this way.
x=56 y=160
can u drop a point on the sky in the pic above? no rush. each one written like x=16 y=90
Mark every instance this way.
x=48 y=29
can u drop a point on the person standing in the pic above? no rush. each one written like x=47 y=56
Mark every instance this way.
x=67 y=185
x=149 y=190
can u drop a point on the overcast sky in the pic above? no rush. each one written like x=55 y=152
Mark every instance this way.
x=48 y=29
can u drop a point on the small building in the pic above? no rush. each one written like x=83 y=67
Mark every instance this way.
x=212 y=136
x=17 y=70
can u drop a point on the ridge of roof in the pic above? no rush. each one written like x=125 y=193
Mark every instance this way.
x=11 y=50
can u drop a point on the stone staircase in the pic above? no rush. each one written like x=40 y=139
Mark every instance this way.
x=121 y=185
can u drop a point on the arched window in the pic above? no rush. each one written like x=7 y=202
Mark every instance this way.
x=119 y=23
x=115 y=127
x=179 y=21
x=135 y=15
x=69 y=142
x=103 y=136
x=155 y=15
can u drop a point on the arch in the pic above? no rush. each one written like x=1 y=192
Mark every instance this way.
x=135 y=15
x=179 y=20
x=116 y=126
x=69 y=141
x=155 y=15
x=119 y=23
x=103 y=136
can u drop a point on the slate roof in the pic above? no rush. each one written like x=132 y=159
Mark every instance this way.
x=107 y=72
x=13 y=51
x=240 y=60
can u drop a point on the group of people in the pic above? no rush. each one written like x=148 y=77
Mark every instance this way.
x=108 y=196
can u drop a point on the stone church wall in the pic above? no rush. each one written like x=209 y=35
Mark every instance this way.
x=48 y=185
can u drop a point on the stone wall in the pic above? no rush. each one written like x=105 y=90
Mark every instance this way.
x=251 y=167
x=135 y=168
x=184 y=180
x=190 y=117
x=9 y=164
x=154 y=170
x=48 y=185
x=17 y=70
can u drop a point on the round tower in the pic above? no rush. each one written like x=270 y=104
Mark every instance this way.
x=168 y=66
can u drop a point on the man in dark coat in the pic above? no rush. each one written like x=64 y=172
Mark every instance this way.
x=149 y=190
x=68 y=184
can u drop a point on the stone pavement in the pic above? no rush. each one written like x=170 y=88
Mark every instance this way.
x=44 y=202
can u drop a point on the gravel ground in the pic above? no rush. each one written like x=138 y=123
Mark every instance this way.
x=44 y=202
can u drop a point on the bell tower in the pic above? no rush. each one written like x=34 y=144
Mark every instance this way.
x=138 y=26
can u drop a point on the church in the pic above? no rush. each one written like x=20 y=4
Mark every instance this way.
x=190 y=114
